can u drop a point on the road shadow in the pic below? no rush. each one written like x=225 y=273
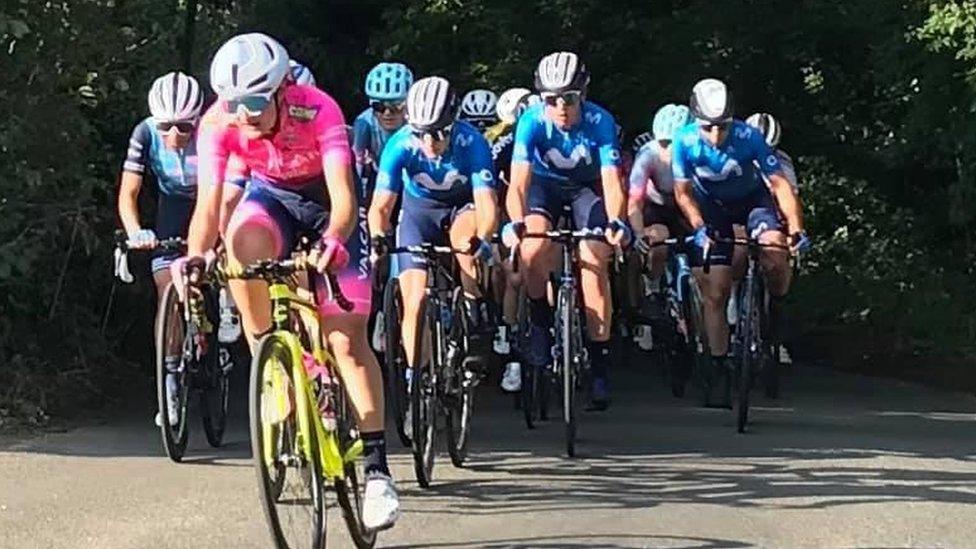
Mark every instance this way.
x=610 y=541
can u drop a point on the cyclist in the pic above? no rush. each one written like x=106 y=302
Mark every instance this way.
x=301 y=74
x=565 y=149
x=641 y=140
x=289 y=142
x=442 y=167
x=478 y=109
x=714 y=163
x=650 y=205
x=165 y=142
x=511 y=104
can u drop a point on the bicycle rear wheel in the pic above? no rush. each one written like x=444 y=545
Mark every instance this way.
x=289 y=484
x=173 y=348
x=395 y=360
x=570 y=348
x=423 y=390
x=459 y=397
x=350 y=488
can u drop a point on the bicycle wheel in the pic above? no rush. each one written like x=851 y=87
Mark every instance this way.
x=697 y=338
x=569 y=350
x=350 y=489
x=215 y=385
x=395 y=360
x=748 y=347
x=459 y=394
x=423 y=390
x=289 y=484
x=173 y=344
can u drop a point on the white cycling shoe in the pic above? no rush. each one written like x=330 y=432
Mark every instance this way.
x=512 y=379
x=172 y=403
x=501 y=344
x=381 y=504
x=379 y=333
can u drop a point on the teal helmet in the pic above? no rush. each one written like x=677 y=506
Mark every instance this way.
x=388 y=82
x=668 y=120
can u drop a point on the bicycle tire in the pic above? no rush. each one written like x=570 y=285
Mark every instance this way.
x=568 y=335
x=698 y=338
x=460 y=394
x=395 y=360
x=349 y=490
x=215 y=393
x=423 y=395
x=175 y=437
x=275 y=351
x=744 y=366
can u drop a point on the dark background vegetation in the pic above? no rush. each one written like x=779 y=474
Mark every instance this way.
x=877 y=97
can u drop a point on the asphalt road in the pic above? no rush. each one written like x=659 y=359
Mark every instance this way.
x=838 y=461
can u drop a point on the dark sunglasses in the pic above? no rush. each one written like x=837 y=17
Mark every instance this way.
x=437 y=135
x=381 y=107
x=709 y=126
x=570 y=98
x=253 y=105
x=182 y=127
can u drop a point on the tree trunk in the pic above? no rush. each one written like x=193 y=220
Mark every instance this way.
x=189 y=35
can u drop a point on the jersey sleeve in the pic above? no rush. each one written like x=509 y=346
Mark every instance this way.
x=389 y=178
x=681 y=167
x=606 y=138
x=213 y=155
x=137 y=157
x=639 y=174
x=766 y=157
x=789 y=171
x=524 y=141
x=360 y=139
x=331 y=133
x=482 y=168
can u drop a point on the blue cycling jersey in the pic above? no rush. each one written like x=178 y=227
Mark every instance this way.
x=464 y=166
x=572 y=157
x=368 y=137
x=175 y=171
x=728 y=172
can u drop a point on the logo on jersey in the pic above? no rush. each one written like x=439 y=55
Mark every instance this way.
x=486 y=175
x=614 y=155
x=730 y=168
x=580 y=153
x=302 y=114
x=451 y=178
x=464 y=140
x=743 y=132
x=593 y=117
x=771 y=161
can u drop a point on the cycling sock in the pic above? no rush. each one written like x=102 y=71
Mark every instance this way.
x=600 y=358
x=374 y=454
x=540 y=312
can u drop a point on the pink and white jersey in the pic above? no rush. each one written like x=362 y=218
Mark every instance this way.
x=311 y=129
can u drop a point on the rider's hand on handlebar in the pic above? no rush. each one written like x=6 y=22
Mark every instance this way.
x=143 y=239
x=643 y=244
x=800 y=242
x=619 y=233
x=702 y=237
x=512 y=233
x=332 y=255
x=481 y=249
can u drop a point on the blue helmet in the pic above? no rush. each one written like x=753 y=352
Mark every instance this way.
x=301 y=74
x=668 y=120
x=389 y=82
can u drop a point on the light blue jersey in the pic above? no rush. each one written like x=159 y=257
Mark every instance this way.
x=572 y=157
x=368 y=137
x=465 y=166
x=175 y=171
x=726 y=173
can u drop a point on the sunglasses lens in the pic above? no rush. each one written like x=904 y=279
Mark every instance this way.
x=382 y=107
x=253 y=105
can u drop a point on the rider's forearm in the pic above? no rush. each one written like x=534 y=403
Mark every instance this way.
x=205 y=221
x=613 y=193
x=788 y=202
x=342 y=196
x=686 y=202
x=486 y=206
x=129 y=202
x=635 y=215
x=379 y=213
x=518 y=190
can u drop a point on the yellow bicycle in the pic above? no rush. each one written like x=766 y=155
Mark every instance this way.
x=303 y=432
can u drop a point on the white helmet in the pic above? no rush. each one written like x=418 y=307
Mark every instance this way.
x=711 y=101
x=175 y=97
x=301 y=74
x=248 y=65
x=768 y=125
x=561 y=71
x=431 y=104
x=478 y=105
x=511 y=104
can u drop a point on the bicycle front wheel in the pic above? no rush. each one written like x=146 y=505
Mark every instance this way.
x=289 y=484
x=697 y=338
x=459 y=401
x=423 y=394
x=395 y=360
x=172 y=379
x=215 y=383
x=569 y=350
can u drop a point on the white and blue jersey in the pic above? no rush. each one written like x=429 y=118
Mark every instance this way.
x=574 y=157
x=175 y=171
x=450 y=179
x=726 y=173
